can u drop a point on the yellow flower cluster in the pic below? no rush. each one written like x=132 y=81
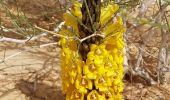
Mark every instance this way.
x=100 y=76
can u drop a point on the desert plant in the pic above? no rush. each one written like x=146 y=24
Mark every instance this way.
x=92 y=52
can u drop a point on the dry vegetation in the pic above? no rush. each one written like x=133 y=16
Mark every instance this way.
x=29 y=69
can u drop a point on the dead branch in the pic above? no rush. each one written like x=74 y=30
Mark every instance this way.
x=9 y=57
x=68 y=37
x=19 y=41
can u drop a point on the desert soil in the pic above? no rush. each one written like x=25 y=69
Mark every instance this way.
x=32 y=74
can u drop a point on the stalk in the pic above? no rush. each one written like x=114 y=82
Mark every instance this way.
x=92 y=69
x=91 y=10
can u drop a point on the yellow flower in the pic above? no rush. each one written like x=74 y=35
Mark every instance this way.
x=94 y=95
x=98 y=60
x=121 y=70
x=66 y=83
x=107 y=13
x=103 y=50
x=98 y=50
x=80 y=65
x=111 y=46
x=100 y=76
x=102 y=83
x=119 y=20
x=72 y=44
x=74 y=68
x=116 y=28
x=62 y=42
x=74 y=95
x=110 y=67
x=120 y=44
x=116 y=58
x=118 y=97
x=76 y=9
x=70 y=20
x=118 y=88
x=91 y=70
x=90 y=56
x=69 y=68
x=117 y=80
x=97 y=54
x=110 y=95
x=95 y=61
x=67 y=53
x=72 y=74
x=93 y=47
x=82 y=84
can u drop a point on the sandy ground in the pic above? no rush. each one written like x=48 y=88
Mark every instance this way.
x=32 y=74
